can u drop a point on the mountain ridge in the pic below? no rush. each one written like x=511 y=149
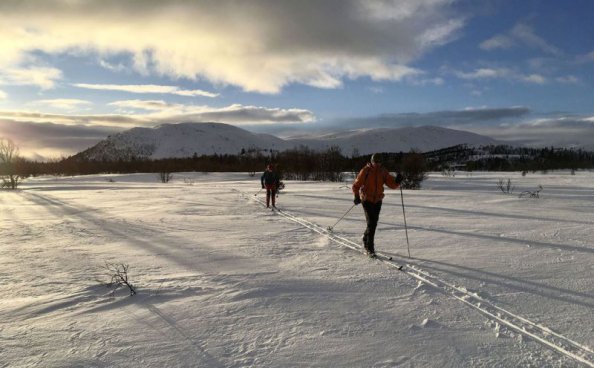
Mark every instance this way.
x=191 y=138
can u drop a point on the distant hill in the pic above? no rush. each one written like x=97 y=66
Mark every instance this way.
x=424 y=138
x=188 y=139
x=180 y=140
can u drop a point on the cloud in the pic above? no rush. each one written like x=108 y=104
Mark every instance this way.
x=520 y=35
x=535 y=78
x=525 y=35
x=113 y=67
x=64 y=103
x=497 y=42
x=3 y=95
x=438 y=118
x=587 y=58
x=260 y=45
x=155 y=112
x=147 y=88
x=43 y=77
x=570 y=79
x=42 y=141
x=560 y=131
x=484 y=73
x=153 y=105
x=501 y=73
x=115 y=120
x=238 y=114
x=424 y=82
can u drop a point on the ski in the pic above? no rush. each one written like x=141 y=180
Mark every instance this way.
x=390 y=260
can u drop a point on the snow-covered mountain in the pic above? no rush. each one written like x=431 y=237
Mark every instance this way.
x=187 y=139
x=424 y=138
x=181 y=140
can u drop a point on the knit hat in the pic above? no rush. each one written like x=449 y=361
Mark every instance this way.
x=375 y=158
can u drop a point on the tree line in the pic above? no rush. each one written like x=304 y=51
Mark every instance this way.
x=303 y=163
x=508 y=158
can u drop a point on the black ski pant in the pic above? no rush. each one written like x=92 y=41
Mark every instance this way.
x=372 y=211
x=270 y=194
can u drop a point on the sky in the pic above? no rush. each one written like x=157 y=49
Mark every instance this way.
x=74 y=71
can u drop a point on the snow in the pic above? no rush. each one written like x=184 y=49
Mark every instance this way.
x=494 y=280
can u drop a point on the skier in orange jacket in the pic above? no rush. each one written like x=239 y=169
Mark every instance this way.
x=368 y=189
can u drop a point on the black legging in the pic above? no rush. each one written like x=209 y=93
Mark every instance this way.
x=270 y=194
x=372 y=211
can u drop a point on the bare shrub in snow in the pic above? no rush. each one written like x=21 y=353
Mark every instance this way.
x=531 y=194
x=117 y=277
x=165 y=176
x=448 y=172
x=505 y=187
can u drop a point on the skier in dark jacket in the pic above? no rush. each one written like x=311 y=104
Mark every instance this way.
x=369 y=189
x=270 y=181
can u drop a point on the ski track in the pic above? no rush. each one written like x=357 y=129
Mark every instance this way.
x=538 y=332
x=140 y=236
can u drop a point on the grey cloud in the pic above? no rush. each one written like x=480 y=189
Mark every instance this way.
x=438 y=118
x=251 y=114
x=36 y=139
x=69 y=119
x=164 y=112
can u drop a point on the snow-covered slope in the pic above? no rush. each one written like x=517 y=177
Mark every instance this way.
x=185 y=139
x=181 y=140
x=425 y=138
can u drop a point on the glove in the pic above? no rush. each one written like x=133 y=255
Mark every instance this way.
x=399 y=178
x=357 y=200
x=263 y=186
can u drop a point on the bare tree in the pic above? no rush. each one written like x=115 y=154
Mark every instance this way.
x=414 y=170
x=9 y=159
x=117 y=275
x=506 y=188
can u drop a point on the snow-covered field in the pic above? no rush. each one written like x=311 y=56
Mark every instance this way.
x=494 y=280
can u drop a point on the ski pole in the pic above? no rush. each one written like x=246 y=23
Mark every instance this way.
x=405 y=227
x=258 y=192
x=330 y=228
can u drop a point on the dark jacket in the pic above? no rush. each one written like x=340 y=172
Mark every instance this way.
x=269 y=178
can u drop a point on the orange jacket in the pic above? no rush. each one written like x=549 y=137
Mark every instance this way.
x=369 y=184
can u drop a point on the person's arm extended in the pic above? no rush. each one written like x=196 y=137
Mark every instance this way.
x=392 y=182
